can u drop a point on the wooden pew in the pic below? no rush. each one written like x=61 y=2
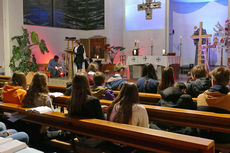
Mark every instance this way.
x=145 y=98
x=181 y=117
x=138 y=137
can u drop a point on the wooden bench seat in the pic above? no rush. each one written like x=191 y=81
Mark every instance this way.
x=139 y=137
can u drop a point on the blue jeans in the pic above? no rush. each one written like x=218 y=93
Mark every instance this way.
x=55 y=73
x=21 y=136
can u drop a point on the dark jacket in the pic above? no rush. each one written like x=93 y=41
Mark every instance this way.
x=174 y=97
x=115 y=82
x=216 y=99
x=79 y=55
x=147 y=85
x=194 y=88
x=90 y=109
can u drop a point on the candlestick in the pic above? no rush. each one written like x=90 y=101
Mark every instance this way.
x=180 y=39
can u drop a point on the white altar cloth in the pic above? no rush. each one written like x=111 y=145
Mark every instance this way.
x=155 y=60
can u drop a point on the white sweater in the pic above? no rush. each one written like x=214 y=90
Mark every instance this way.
x=139 y=115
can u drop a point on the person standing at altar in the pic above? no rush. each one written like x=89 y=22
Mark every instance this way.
x=115 y=82
x=79 y=54
x=53 y=66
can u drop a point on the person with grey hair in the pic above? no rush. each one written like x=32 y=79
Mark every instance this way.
x=79 y=54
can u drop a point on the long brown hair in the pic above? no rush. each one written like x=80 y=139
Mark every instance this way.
x=167 y=79
x=80 y=92
x=19 y=79
x=38 y=85
x=127 y=97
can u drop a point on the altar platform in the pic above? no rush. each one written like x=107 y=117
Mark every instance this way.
x=136 y=64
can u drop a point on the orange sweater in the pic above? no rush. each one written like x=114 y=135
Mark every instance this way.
x=13 y=94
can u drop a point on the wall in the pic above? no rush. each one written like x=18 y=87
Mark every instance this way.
x=12 y=25
x=146 y=37
x=186 y=16
x=1 y=34
x=54 y=37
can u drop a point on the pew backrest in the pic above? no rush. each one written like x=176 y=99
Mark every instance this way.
x=139 y=137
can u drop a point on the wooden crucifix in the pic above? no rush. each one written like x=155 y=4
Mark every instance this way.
x=148 y=7
x=200 y=54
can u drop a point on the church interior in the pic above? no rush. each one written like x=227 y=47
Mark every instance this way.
x=113 y=76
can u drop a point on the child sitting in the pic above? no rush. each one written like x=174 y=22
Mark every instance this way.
x=16 y=90
x=37 y=95
x=99 y=90
x=176 y=97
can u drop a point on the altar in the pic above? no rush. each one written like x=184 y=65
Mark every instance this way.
x=136 y=63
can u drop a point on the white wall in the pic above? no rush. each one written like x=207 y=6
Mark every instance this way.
x=184 y=23
x=146 y=38
x=12 y=26
x=1 y=34
x=54 y=37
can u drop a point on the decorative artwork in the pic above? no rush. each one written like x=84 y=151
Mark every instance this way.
x=73 y=14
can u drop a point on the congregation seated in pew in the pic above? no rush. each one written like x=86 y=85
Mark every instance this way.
x=148 y=82
x=199 y=82
x=216 y=99
x=91 y=70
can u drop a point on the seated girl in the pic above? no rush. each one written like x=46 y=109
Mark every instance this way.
x=37 y=94
x=148 y=82
x=16 y=90
x=126 y=108
x=83 y=104
x=167 y=79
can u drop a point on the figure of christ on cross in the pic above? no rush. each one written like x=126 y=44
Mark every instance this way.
x=200 y=37
x=148 y=7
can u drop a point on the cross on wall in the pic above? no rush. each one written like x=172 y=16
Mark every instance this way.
x=148 y=7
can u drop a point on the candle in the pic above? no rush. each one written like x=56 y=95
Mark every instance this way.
x=135 y=43
x=180 y=39
x=163 y=51
x=138 y=42
x=97 y=56
x=151 y=42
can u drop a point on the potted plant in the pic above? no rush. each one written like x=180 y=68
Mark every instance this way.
x=113 y=51
x=22 y=59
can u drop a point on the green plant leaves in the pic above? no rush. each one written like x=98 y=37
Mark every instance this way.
x=22 y=59
x=34 y=38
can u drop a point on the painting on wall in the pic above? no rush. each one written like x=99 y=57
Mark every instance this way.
x=73 y=14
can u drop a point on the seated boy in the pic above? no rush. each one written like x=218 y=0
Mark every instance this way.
x=216 y=99
x=176 y=97
x=115 y=82
x=99 y=90
x=199 y=83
